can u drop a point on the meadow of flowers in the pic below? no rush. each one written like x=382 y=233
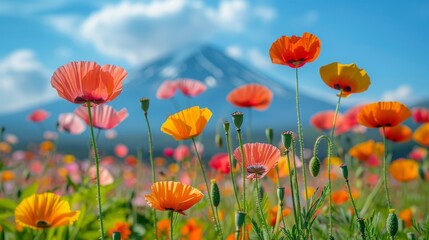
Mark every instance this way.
x=347 y=186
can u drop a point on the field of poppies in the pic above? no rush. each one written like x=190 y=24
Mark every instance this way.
x=346 y=186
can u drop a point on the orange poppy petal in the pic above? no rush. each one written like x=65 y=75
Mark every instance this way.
x=404 y=170
x=421 y=135
x=383 y=114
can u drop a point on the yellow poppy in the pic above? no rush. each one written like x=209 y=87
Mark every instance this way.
x=46 y=210
x=187 y=123
x=346 y=77
x=176 y=196
x=421 y=135
x=383 y=114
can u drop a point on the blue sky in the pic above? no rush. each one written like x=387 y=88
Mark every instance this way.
x=389 y=39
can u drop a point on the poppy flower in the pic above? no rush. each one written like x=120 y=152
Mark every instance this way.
x=251 y=96
x=192 y=230
x=404 y=170
x=71 y=123
x=340 y=197
x=421 y=135
x=283 y=167
x=121 y=150
x=175 y=196
x=362 y=151
x=383 y=114
x=81 y=82
x=38 y=115
x=187 y=123
x=46 y=210
x=166 y=90
x=323 y=121
x=163 y=227
x=103 y=116
x=106 y=177
x=259 y=158
x=220 y=162
x=191 y=87
x=181 y=153
x=418 y=153
x=349 y=120
x=399 y=134
x=407 y=216
x=346 y=77
x=295 y=51
x=7 y=176
x=420 y=115
x=273 y=213
x=123 y=228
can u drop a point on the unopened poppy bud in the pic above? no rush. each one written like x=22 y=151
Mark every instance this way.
x=144 y=104
x=215 y=193
x=411 y=236
x=218 y=140
x=287 y=139
x=331 y=238
x=392 y=223
x=239 y=220
x=281 y=194
x=361 y=225
x=422 y=173
x=237 y=118
x=116 y=236
x=345 y=171
x=270 y=135
x=226 y=126
x=314 y=166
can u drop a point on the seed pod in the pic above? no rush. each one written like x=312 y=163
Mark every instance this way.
x=215 y=193
x=144 y=102
x=411 y=236
x=344 y=171
x=314 y=166
x=116 y=236
x=287 y=139
x=218 y=140
x=392 y=223
x=239 y=220
x=281 y=194
x=361 y=225
x=269 y=134
x=237 y=118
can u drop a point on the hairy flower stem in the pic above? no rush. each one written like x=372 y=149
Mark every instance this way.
x=243 y=177
x=152 y=165
x=293 y=189
x=386 y=184
x=329 y=160
x=261 y=212
x=97 y=168
x=231 y=166
x=300 y=135
x=218 y=226
x=170 y=214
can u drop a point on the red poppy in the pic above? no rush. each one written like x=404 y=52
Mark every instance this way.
x=103 y=116
x=220 y=162
x=38 y=115
x=295 y=51
x=421 y=115
x=191 y=87
x=166 y=90
x=251 y=96
x=399 y=134
x=323 y=121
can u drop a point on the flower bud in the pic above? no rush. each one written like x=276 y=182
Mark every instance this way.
x=314 y=166
x=226 y=126
x=239 y=220
x=361 y=226
x=237 y=118
x=422 y=173
x=116 y=236
x=345 y=171
x=392 y=223
x=287 y=139
x=411 y=236
x=144 y=104
x=215 y=193
x=270 y=135
x=218 y=140
x=281 y=194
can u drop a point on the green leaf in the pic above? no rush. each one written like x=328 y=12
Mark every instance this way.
x=28 y=191
x=7 y=204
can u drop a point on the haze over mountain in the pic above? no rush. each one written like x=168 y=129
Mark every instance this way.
x=204 y=63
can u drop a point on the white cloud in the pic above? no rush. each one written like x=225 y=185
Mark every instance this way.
x=24 y=81
x=258 y=59
x=139 y=32
x=403 y=94
x=234 y=51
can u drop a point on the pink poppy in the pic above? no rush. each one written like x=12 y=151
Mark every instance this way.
x=374 y=160
x=181 y=153
x=121 y=150
x=110 y=134
x=166 y=90
x=259 y=158
x=190 y=87
x=323 y=121
x=50 y=135
x=71 y=123
x=420 y=115
x=38 y=115
x=168 y=152
x=106 y=177
x=185 y=178
x=36 y=167
x=200 y=148
x=107 y=161
x=11 y=138
x=220 y=163
x=418 y=153
x=103 y=116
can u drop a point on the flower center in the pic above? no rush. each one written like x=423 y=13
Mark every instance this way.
x=257 y=169
x=42 y=224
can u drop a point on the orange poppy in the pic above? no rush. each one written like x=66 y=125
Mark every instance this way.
x=383 y=114
x=123 y=228
x=163 y=227
x=81 y=82
x=283 y=167
x=421 y=135
x=251 y=96
x=176 y=196
x=259 y=158
x=273 y=214
x=399 y=134
x=187 y=123
x=404 y=170
x=407 y=216
x=7 y=176
x=346 y=77
x=46 y=210
x=323 y=121
x=362 y=151
x=340 y=197
x=295 y=51
x=192 y=230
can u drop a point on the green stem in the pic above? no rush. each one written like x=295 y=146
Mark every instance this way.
x=386 y=184
x=170 y=214
x=351 y=198
x=300 y=135
x=218 y=226
x=243 y=177
x=97 y=168
x=152 y=165
x=231 y=166
x=296 y=187
x=292 y=189
x=259 y=204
